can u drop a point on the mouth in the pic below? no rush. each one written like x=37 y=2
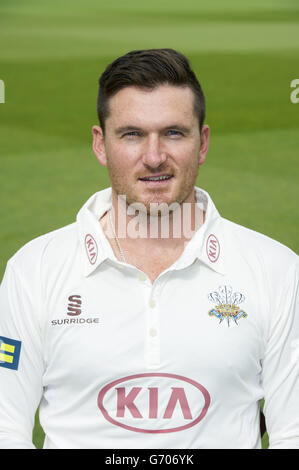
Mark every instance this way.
x=156 y=180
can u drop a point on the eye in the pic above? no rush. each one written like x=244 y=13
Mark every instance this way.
x=174 y=133
x=132 y=134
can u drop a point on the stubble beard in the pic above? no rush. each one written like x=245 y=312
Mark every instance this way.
x=154 y=197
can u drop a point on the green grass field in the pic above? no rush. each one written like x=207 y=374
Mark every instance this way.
x=245 y=55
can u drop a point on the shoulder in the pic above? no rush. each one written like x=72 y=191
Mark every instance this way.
x=56 y=244
x=256 y=248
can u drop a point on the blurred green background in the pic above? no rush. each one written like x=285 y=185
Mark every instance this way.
x=245 y=55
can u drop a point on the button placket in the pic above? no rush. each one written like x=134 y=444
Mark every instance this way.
x=153 y=332
x=142 y=277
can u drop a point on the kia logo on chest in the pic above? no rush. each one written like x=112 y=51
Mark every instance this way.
x=154 y=402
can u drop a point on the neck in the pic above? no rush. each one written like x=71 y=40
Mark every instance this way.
x=173 y=225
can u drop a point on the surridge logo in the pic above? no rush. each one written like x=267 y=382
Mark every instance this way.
x=74 y=309
x=74 y=306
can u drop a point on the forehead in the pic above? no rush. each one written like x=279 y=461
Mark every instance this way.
x=147 y=107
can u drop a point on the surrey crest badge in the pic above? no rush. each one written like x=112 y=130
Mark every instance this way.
x=227 y=305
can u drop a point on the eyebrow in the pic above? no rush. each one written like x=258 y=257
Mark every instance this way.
x=124 y=129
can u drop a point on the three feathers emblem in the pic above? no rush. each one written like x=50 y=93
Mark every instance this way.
x=227 y=305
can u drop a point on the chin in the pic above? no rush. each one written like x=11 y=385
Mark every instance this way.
x=158 y=202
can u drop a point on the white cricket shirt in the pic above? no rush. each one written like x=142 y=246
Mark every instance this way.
x=120 y=362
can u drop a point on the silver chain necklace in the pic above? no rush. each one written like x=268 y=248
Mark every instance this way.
x=117 y=240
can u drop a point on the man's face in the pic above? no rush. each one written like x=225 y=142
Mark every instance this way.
x=152 y=145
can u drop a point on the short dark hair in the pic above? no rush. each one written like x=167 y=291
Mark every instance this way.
x=148 y=69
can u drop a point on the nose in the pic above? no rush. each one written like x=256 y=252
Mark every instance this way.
x=153 y=155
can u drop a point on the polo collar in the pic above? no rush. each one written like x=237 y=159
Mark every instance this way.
x=95 y=246
x=206 y=245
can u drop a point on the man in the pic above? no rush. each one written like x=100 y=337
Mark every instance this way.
x=151 y=322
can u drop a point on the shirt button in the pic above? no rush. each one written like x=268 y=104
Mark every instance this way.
x=152 y=303
x=153 y=332
x=142 y=277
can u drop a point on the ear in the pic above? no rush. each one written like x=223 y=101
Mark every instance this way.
x=204 y=144
x=98 y=145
